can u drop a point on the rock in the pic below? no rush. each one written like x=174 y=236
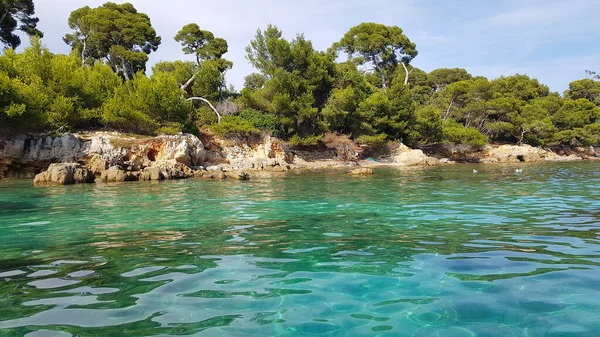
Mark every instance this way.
x=515 y=154
x=237 y=175
x=214 y=168
x=409 y=157
x=184 y=153
x=362 y=172
x=24 y=154
x=430 y=161
x=572 y=157
x=278 y=169
x=116 y=174
x=185 y=149
x=212 y=175
x=200 y=173
x=98 y=164
x=64 y=174
x=259 y=155
x=151 y=173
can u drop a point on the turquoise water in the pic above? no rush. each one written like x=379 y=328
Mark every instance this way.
x=439 y=252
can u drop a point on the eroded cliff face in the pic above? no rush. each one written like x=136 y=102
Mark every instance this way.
x=23 y=156
x=262 y=154
x=510 y=153
x=114 y=157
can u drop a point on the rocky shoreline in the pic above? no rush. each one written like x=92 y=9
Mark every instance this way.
x=105 y=157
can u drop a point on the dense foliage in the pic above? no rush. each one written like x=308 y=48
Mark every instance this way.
x=17 y=15
x=370 y=96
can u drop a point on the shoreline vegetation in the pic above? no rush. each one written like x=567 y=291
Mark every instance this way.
x=361 y=99
x=108 y=157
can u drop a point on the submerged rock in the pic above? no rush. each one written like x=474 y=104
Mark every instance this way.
x=237 y=175
x=362 y=172
x=64 y=174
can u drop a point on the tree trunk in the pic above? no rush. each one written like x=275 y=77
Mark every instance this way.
x=83 y=52
x=209 y=104
x=383 y=85
x=468 y=120
x=188 y=83
x=449 y=108
x=125 y=70
x=4 y=16
x=523 y=132
x=483 y=121
x=407 y=73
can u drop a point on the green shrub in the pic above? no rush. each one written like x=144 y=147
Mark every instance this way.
x=264 y=121
x=306 y=141
x=170 y=129
x=459 y=134
x=191 y=129
x=586 y=136
x=232 y=126
x=374 y=141
x=205 y=116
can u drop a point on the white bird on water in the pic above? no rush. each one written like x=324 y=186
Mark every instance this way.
x=475 y=171
x=519 y=171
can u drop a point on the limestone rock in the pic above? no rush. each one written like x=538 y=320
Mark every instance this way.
x=64 y=174
x=362 y=172
x=409 y=157
x=261 y=155
x=220 y=175
x=117 y=174
x=185 y=149
x=98 y=164
x=515 y=154
x=151 y=173
x=200 y=173
x=430 y=161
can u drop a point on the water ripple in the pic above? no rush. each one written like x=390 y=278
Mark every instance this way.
x=438 y=252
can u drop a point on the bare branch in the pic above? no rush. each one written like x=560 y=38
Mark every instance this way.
x=187 y=84
x=407 y=73
x=449 y=108
x=209 y=104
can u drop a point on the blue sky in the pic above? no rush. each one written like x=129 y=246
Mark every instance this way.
x=552 y=40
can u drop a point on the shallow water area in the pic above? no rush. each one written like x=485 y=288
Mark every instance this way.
x=423 y=252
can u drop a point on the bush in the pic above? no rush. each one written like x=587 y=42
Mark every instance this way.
x=306 y=141
x=170 y=129
x=205 y=116
x=344 y=147
x=586 y=136
x=191 y=129
x=373 y=141
x=459 y=134
x=232 y=126
x=264 y=121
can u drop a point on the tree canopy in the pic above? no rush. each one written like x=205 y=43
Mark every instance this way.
x=299 y=93
x=17 y=15
x=380 y=46
x=115 y=33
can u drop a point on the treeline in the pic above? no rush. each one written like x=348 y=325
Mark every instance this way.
x=298 y=93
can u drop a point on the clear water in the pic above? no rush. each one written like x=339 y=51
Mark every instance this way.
x=440 y=252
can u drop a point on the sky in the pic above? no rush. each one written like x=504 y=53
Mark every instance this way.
x=554 y=41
